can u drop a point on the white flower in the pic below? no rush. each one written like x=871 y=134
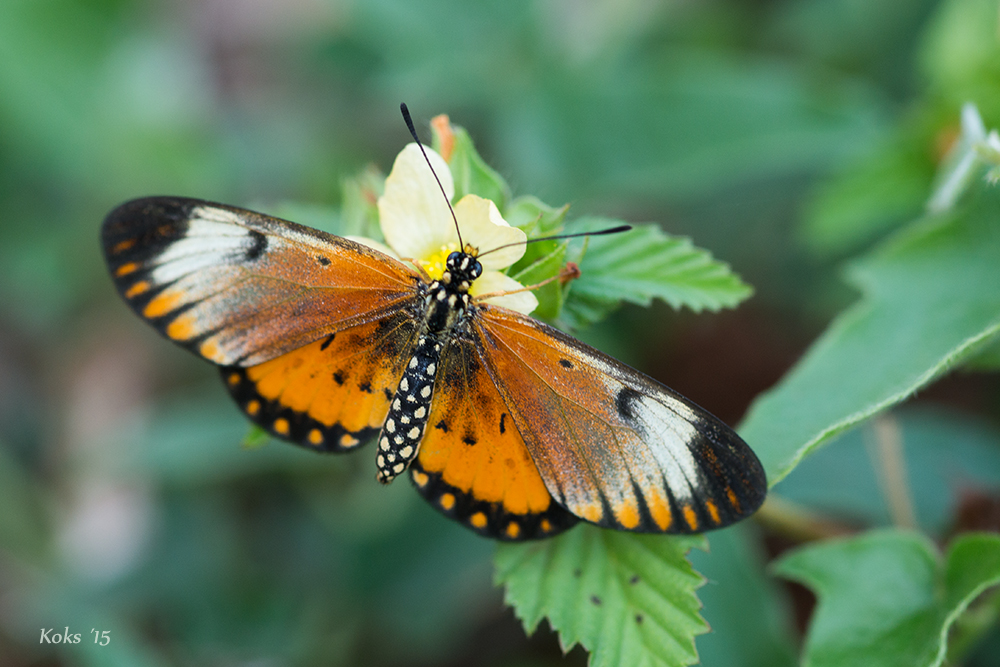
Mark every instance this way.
x=418 y=227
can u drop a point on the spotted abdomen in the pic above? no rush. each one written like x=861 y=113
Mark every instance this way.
x=404 y=426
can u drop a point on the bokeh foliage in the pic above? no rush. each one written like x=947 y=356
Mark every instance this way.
x=791 y=138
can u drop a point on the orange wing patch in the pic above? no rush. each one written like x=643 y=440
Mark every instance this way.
x=238 y=287
x=330 y=395
x=473 y=465
x=615 y=447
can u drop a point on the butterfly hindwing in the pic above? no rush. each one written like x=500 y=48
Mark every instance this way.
x=238 y=287
x=472 y=464
x=615 y=447
x=333 y=394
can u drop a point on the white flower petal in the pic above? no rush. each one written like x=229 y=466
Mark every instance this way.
x=484 y=228
x=412 y=211
x=373 y=244
x=494 y=281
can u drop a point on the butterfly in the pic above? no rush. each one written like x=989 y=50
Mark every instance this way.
x=509 y=426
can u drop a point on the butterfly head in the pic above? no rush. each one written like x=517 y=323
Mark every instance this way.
x=461 y=268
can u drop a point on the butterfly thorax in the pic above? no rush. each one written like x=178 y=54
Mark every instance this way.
x=447 y=301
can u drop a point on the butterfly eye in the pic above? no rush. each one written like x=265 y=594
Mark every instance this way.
x=453 y=259
x=476 y=269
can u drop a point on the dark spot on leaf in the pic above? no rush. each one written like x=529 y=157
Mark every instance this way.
x=566 y=363
x=441 y=425
x=596 y=600
x=577 y=572
x=365 y=387
x=338 y=377
x=326 y=343
x=502 y=427
x=634 y=579
x=323 y=260
x=638 y=619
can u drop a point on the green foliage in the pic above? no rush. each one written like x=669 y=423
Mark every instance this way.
x=886 y=598
x=930 y=297
x=629 y=599
x=646 y=263
x=130 y=504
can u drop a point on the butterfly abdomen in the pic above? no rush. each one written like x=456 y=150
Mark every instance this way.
x=404 y=426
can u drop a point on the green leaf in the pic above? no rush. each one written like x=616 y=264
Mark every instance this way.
x=359 y=210
x=551 y=295
x=535 y=217
x=748 y=612
x=471 y=173
x=628 y=599
x=885 y=597
x=872 y=196
x=646 y=263
x=931 y=296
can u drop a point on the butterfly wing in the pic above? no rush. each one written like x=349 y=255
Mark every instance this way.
x=613 y=446
x=238 y=287
x=333 y=394
x=472 y=464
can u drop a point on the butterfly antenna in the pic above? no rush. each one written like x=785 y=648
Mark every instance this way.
x=600 y=232
x=413 y=133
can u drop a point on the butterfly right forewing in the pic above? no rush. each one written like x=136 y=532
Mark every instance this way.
x=614 y=446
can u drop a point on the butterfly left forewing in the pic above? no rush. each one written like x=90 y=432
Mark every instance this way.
x=614 y=446
x=238 y=287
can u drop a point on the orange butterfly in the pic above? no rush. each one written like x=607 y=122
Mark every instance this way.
x=508 y=426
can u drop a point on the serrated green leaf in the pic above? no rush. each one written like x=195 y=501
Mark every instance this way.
x=885 y=597
x=471 y=173
x=644 y=264
x=551 y=295
x=931 y=296
x=628 y=599
x=535 y=217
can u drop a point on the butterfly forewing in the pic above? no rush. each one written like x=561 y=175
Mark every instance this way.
x=614 y=446
x=239 y=287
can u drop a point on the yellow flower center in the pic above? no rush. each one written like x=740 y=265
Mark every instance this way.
x=435 y=263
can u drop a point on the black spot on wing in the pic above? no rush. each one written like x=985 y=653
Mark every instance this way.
x=442 y=426
x=469 y=440
x=625 y=403
x=325 y=261
x=365 y=387
x=258 y=245
x=566 y=363
x=326 y=343
x=338 y=377
x=503 y=428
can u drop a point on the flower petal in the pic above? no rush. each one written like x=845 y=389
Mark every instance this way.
x=494 y=281
x=484 y=228
x=413 y=213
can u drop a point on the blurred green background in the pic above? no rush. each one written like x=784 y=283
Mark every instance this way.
x=783 y=135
